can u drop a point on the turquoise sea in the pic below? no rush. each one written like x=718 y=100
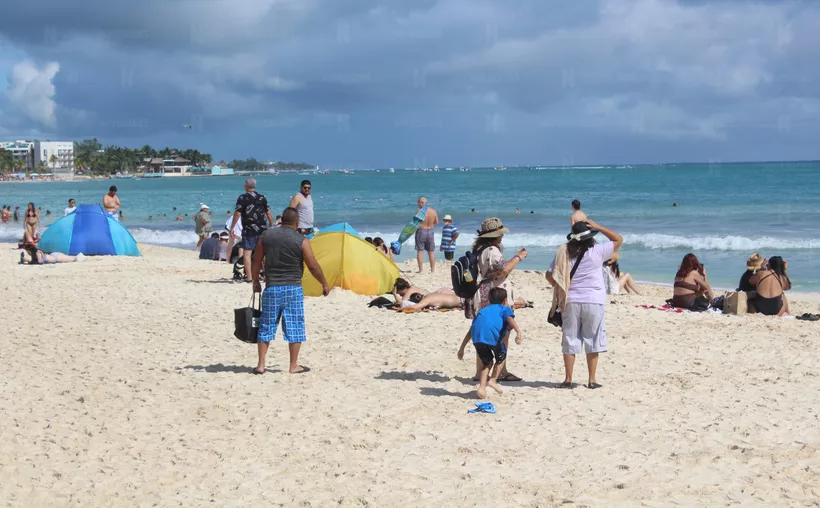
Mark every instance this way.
x=726 y=212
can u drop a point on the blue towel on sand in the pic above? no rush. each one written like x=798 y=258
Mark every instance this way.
x=483 y=407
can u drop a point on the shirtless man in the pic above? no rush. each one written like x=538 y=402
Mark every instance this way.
x=111 y=203
x=577 y=214
x=425 y=240
x=303 y=204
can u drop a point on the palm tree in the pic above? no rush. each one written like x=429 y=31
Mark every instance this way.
x=6 y=160
x=19 y=165
x=53 y=160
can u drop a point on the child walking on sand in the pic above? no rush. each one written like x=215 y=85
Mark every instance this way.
x=488 y=331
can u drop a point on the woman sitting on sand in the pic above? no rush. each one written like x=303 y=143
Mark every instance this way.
x=691 y=289
x=38 y=257
x=493 y=271
x=382 y=247
x=770 y=285
x=616 y=280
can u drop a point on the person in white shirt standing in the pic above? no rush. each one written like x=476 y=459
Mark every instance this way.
x=71 y=207
x=303 y=204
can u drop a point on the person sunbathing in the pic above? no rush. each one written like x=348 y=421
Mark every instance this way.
x=402 y=290
x=37 y=257
x=437 y=300
x=770 y=285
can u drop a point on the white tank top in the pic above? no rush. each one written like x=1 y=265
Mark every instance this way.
x=305 y=210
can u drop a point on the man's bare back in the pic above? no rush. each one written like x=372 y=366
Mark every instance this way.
x=577 y=216
x=430 y=218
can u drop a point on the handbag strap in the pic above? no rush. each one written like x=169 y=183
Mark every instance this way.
x=252 y=303
x=575 y=266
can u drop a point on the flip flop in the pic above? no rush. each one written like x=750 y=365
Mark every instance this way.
x=567 y=384
x=257 y=372
x=510 y=378
x=593 y=386
x=483 y=407
x=304 y=369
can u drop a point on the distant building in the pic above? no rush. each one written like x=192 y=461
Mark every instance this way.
x=63 y=151
x=210 y=169
x=176 y=166
x=23 y=150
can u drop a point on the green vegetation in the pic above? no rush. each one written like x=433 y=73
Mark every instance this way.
x=255 y=165
x=91 y=157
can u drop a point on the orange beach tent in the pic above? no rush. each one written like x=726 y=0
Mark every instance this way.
x=350 y=263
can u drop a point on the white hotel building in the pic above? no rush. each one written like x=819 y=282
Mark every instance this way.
x=35 y=152
x=63 y=150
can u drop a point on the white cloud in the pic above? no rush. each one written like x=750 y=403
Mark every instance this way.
x=31 y=91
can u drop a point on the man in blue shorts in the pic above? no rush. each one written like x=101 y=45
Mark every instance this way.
x=489 y=333
x=284 y=253
x=253 y=209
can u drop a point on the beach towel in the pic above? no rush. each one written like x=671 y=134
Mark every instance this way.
x=664 y=308
x=409 y=230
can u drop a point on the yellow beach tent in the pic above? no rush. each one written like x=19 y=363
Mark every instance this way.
x=350 y=263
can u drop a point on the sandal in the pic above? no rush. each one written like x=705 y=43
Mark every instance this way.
x=510 y=378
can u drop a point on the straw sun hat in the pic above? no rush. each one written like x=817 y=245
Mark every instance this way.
x=755 y=262
x=492 y=228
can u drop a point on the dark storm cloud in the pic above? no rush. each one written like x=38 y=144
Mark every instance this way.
x=454 y=78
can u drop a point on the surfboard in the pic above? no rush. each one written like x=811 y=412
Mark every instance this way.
x=409 y=230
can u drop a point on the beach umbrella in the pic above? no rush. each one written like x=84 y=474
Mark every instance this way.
x=90 y=231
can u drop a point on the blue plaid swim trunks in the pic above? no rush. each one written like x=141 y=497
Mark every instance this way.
x=285 y=303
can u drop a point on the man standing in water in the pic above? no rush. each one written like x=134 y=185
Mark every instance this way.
x=303 y=204
x=425 y=239
x=284 y=252
x=577 y=214
x=252 y=208
x=111 y=203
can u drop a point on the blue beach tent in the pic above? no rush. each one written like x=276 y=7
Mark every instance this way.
x=90 y=231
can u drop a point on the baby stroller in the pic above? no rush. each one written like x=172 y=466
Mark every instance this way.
x=239 y=268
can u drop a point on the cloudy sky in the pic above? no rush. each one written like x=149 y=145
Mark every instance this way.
x=378 y=83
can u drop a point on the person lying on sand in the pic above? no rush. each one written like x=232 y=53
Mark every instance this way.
x=438 y=300
x=34 y=256
x=403 y=289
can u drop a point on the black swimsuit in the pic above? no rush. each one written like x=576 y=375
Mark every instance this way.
x=769 y=306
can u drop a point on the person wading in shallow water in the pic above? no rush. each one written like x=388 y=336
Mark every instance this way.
x=284 y=253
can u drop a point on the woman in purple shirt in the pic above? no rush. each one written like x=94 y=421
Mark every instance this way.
x=583 y=316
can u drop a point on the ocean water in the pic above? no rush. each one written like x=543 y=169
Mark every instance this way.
x=726 y=212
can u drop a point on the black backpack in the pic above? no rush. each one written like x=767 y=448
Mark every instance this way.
x=464 y=273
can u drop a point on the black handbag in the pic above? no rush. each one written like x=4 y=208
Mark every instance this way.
x=246 y=321
x=556 y=319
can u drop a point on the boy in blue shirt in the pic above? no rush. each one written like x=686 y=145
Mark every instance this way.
x=488 y=331
x=449 y=235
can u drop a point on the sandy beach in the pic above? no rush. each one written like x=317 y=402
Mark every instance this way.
x=122 y=385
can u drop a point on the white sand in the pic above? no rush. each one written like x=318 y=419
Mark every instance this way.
x=123 y=386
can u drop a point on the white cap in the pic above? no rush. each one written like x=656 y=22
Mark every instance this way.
x=447 y=217
x=203 y=206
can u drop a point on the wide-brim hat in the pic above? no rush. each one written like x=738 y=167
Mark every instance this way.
x=492 y=228
x=447 y=217
x=581 y=231
x=755 y=262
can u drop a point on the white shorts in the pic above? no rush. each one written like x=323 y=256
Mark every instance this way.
x=584 y=327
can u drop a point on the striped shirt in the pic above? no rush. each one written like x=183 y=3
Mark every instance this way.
x=447 y=233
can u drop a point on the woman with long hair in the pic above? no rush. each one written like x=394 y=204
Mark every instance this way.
x=616 y=280
x=579 y=294
x=770 y=285
x=32 y=220
x=38 y=257
x=493 y=271
x=382 y=247
x=691 y=288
